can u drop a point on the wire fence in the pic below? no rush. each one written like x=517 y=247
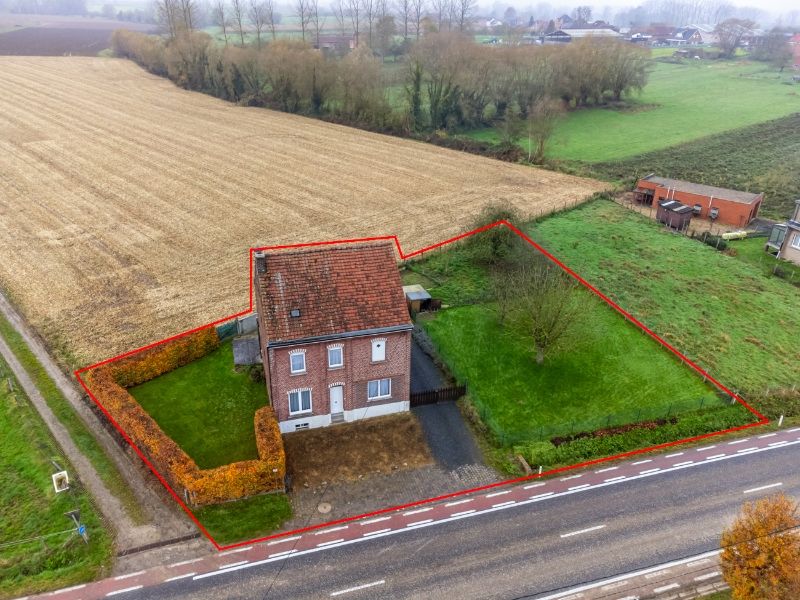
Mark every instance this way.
x=574 y=426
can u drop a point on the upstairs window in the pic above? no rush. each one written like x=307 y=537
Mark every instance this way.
x=297 y=362
x=379 y=350
x=335 y=357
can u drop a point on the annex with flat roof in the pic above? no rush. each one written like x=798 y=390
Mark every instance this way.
x=335 y=333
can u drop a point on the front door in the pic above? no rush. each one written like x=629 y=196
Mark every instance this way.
x=337 y=399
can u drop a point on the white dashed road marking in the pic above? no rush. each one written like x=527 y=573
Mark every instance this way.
x=358 y=587
x=570 y=534
x=122 y=591
x=763 y=487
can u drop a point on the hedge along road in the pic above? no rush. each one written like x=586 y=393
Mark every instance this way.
x=165 y=522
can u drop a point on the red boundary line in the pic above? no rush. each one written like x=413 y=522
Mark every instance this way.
x=762 y=420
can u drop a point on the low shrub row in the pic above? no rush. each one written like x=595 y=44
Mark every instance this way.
x=198 y=486
x=582 y=449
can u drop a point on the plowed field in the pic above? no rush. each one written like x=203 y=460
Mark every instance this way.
x=127 y=205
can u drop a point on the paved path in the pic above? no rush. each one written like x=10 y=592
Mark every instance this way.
x=537 y=539
x=166 y=522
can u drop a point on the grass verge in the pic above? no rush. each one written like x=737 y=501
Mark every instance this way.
x=751 y=251
x=29 y=507
x=76 y=428
x=207 y=407
x=245 y=519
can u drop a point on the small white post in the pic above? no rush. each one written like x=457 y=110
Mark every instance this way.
x=780 y=421
x=540 y=466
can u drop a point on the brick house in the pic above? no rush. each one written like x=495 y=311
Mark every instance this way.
x=335 y=333
x=729 y=207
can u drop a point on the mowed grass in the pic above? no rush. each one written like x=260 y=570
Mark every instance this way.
x=30 y=508
x=723 y=313
x=207 y=407
x=606 y=371
x=680 y=103
x=245 y=519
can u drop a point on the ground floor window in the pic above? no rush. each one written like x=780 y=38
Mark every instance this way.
x=796 y=241
x=299 y=401
x=379 y=388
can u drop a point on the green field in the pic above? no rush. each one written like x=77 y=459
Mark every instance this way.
x=764 y=157
x=30 y=508
x=724 y=313
x=681 y=102
x=751 y=251
x=207 y=408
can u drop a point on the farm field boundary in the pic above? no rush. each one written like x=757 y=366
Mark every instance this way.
x=761 y=419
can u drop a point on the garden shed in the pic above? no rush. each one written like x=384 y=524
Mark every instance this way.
x=674 y=214
x=417 y=297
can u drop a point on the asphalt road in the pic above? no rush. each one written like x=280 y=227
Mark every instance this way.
x=525 y=551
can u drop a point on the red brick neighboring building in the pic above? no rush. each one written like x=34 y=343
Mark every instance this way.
x=794 y=42
x=335 y=333
x=730 y=207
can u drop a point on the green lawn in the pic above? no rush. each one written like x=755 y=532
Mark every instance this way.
x=245 y=519
x=80 y=434
x=207 y=408
x=681 y=102
x=606 y=373
x=29 y=507
x=722 y=312
x=751 y=251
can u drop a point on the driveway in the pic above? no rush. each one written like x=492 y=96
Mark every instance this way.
x=425 y=375
x=450 y=440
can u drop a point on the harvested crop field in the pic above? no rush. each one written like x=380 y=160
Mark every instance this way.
x=43 y=41
x=128 y=205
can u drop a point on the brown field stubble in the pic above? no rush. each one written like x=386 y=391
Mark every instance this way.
x=127 y=205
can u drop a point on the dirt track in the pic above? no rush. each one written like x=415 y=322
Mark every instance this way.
x=127 y=205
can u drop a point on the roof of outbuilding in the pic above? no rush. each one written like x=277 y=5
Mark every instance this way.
x=704 y=190
x=336 y=289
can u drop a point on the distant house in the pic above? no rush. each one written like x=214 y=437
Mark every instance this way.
x=492 y=23
x=564 y=36
x=794 y=41
x=335 y=334
x=730 y=207
x=563 y=21
x=686 y=36
x=340 y=44
x=784 y=240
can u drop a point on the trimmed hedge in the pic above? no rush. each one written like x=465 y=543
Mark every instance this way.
x=589 y=448
x=198 y=486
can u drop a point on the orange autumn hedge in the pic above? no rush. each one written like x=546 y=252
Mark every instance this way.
x=197 y=486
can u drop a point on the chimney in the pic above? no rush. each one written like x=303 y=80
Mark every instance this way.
x=260 y=262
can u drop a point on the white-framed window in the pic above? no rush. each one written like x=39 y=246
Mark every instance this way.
x=297 y=361
x=379 y=350
x=299 y=401
x=379 y=389
x=335 y=356
x=796 y=241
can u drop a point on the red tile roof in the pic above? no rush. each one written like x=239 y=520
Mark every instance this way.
x=337 y=289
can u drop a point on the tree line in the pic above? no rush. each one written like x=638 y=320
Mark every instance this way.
x=446 y=82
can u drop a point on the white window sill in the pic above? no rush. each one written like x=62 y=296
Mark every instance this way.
x=377 y=398
x=297 y=372
x=301 y=413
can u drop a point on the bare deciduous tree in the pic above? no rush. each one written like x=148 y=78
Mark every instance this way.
x=544 y=307
x=417 y=12
x=404 y=15
x=257 y=14
x=302 y=10
x=220 y=18
x=316 y=20
x=462 y=13
x=238 y=11
x=731 y=32
x=167 y=14
x=540 y=125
